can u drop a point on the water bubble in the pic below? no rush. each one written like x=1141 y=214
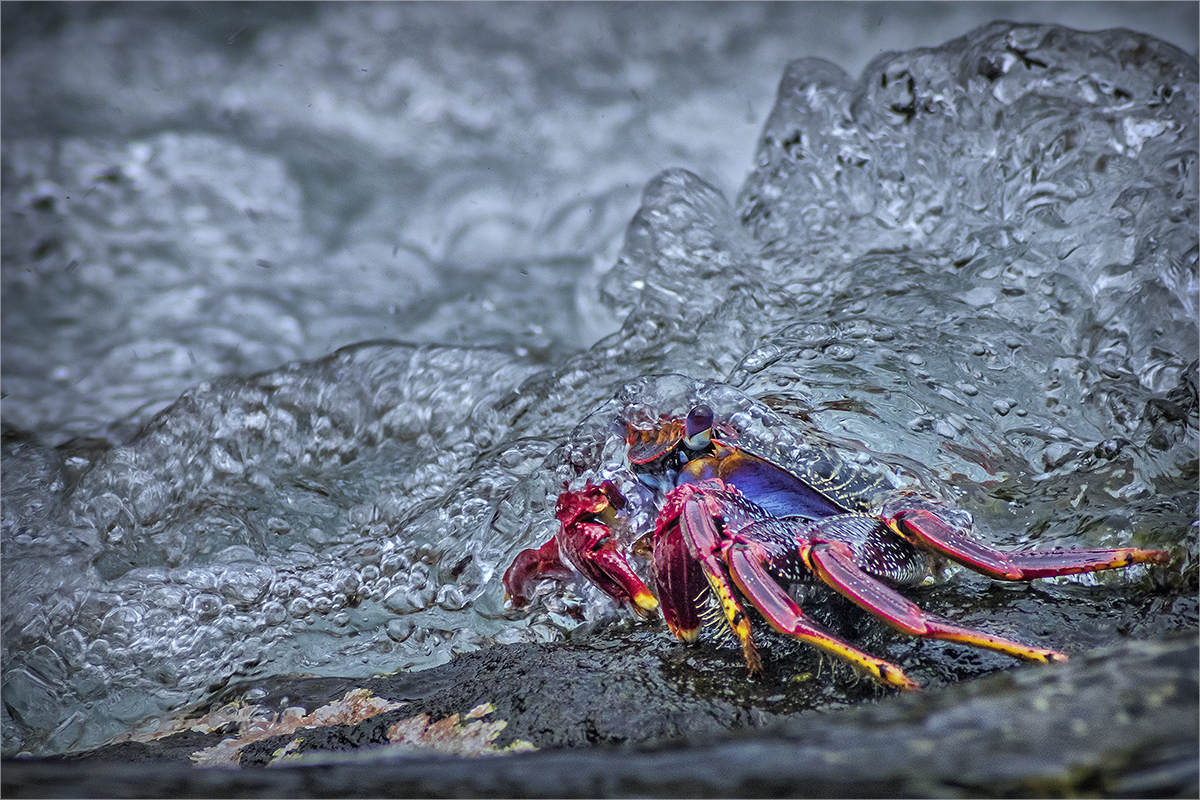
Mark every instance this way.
x=274 y=613
x=1003 y=406
x=167 y=597
x=393 y=563
x=90 y=681
x=245 y=584
x=841 y=352
x=402 y=600
x=47 y=663
x=70 y=645
x=99 y=652
x=1056 y=454
x=120 y=624
x=400 y=629
x=450 y=597
x=759 y=358
x=206 y=607
x=944 y=429
x=300 y=608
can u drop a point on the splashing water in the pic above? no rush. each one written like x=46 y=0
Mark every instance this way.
x=978 y=262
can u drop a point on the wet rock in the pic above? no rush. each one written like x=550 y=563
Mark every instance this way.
x=1120 y=721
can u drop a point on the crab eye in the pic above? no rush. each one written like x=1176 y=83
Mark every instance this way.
x=696 y=430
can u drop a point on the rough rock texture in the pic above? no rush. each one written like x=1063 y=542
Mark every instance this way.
x=1122 y=722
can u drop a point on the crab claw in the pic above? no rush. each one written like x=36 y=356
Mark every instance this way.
x=587 y=542
x=529 y=567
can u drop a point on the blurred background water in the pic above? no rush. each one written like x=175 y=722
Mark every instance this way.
x=303 y=305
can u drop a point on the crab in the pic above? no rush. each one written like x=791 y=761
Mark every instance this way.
x=736 y=528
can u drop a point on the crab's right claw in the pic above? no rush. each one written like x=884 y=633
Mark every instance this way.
x=529 y=567
x=587 y=542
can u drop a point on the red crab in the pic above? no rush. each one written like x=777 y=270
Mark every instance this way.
x=736 y=527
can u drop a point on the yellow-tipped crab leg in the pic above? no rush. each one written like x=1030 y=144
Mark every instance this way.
x=928 y=530
x=834 y=563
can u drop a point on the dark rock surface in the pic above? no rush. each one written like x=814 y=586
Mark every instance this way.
x=1122 y=721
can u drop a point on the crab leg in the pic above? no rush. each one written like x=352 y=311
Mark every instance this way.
x=678 y=581
x=747 y=566
x=697 y=520
x=926 y=529
x=833 y=563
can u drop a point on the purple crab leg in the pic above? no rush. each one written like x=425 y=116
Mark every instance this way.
x=747 y=566
x=834 y=563
x=926 y=529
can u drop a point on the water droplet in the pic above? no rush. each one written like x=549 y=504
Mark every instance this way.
x=206 y=607
x=969 y=389
x=758 y=359
x=245 y=585
x=1002 y=407
x=300 y=608
x=47 y=663
x=274 y=613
